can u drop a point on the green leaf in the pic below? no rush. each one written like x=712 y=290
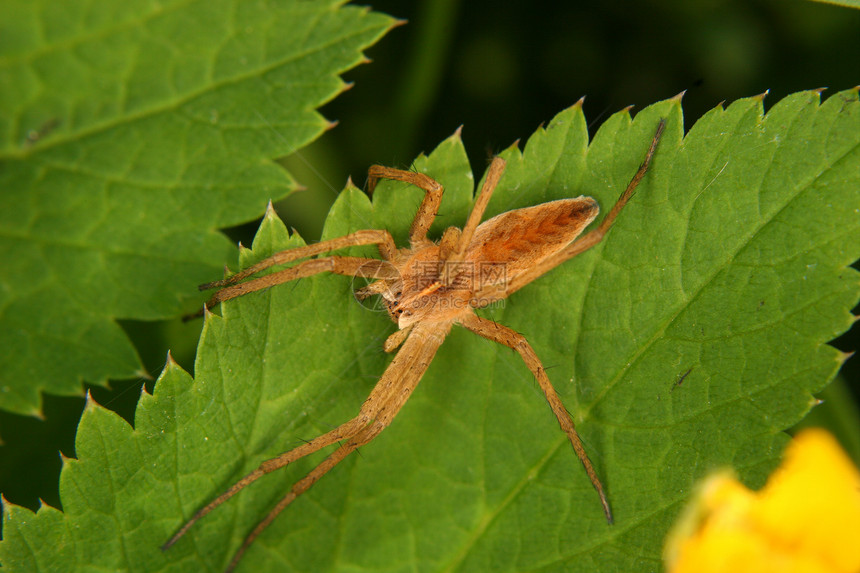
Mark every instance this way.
x=845 y=3
x=689 y=339
x=130 y=133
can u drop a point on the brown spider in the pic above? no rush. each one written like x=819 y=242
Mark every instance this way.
x=427 y=288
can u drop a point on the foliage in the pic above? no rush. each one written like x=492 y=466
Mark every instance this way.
x=688 y=340
x=130 y=133
x=845 y=3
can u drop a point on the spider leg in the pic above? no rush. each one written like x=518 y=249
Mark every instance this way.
x=394 y=341
x=494 y=173
x=401 y=377
x=364 y=436
x=375 y=288
x=349 y=266
x=591 y=238
x=346 y=430
x=378 y=410
x=456 y=253
x=429 y=206
x=387 y=249
x=516 y=341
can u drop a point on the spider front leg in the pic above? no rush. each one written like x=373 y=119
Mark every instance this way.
x=349 y=266
x=516 y=341
x=429 y=206
x=382 y=238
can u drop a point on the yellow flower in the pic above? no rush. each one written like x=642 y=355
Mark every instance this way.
x=805 y=520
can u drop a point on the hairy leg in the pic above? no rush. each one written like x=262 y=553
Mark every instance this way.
x=593 y=237
x=346 y=430
x=387 y=249
x=429 y=206
x=364 y=436
x=494 y=173
x=516 y=341
x=349 y=266
x=378 y=410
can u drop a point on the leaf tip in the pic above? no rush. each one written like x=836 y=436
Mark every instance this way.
x=170 y=362
x=170 y=368
x=350 y=184
x=843 y=357
x=331 y=125
x=7 y=508
x=455 y=138
x=270 y=214
x=579 y=103
x=760 y=97
x=678 y=97
x=90 y=403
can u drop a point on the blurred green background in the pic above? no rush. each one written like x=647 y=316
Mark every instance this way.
x=500 y=72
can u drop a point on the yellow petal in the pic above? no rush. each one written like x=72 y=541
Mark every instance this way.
x=805 y=520
x=812 y=502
